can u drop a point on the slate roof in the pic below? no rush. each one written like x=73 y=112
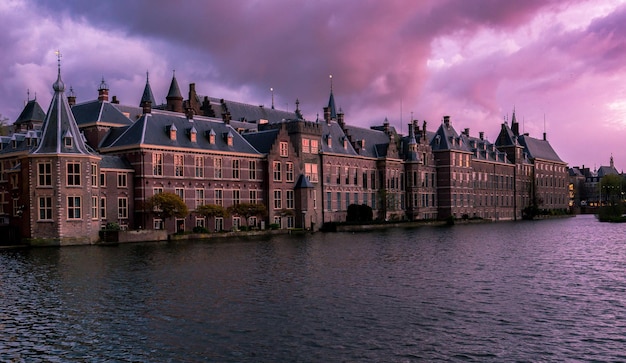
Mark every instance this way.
x=147 y=94
x=262 y=140
x=303 y=182
x=607 y=170
x=174 y=91
x=538 y=149
x=251 y=113
x=153 y=129
x=485 y=150
x=337 y=136
x=114 y=162
x=446 y=138
x=376 y=141
x=60 y=124
x=31 y=112
x=99 y=112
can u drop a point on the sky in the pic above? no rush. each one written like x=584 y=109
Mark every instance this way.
x=561 y=65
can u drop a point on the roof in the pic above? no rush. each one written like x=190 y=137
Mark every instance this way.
x=303 y=182
x=99 y=112
x=153 y=129
x=375 y=140
x=174 y=91
x=31 y=112
x=147 y=94
x=337 y=137
x=262 y=140
x=446 y=138
x=251 y=113
x=59 y=126
x=538 y=149
x=114 y=162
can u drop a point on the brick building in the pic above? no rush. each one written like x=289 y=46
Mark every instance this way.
x=66 y=173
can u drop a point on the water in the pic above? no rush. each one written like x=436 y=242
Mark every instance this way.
x=526 y=291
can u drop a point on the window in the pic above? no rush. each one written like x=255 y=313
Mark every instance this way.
x=276 y=169
x=236 y=196
x=179 y=165
x=290 y=199
x=252 y=168
x=253 y=196
x=284 y=149
x=219 y=196
x=45 y=174
x=199 y=197
x=306 y=146
x=329 y=199
x=219 y=224
x=289 y=172
x=94 y=175
x=347 y=172
x=158 y=223
x=290 y=222
x=236 y=169
x=73 y=208
x=94 y=207
x=199 y=164
x=68 y=141
x=356 y=176
x=45 y=208
x=278 y=199
x=314 y=146
x=338 y=200
x=121 y=180
x=73 y=174
x=310 y=170
x=122 y=208
x=103 y=208
x=236 y=223
x=157 y=163
x=217 y=163
x=338 y=175
x=156 y=191
x=200 y=222
x=180 y=192
x=103 y=180
x=365 y=180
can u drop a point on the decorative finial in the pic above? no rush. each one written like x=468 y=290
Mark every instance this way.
x=297 y=104
x=147 y=77
x=28 y=94
x=331 y=82
x=58 y=86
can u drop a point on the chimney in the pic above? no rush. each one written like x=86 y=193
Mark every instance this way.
x=340 y=119
x=446 y=121
x=190 y=112
x=327 y=115
x=544 y=136
x=226 y=117
x=424 y=130
x=466 y=132
x=481 y=135
x=147 y=107
x=71 y=98
x=115 y=100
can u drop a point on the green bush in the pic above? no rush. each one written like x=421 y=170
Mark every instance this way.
x=199 y=229
x=274 y=226
x=112 y=226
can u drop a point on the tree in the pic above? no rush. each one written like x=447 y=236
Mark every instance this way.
x=248 y=210
x=4 y=128
x=212 y=210
x=611 y=197
x=167 y=205
x=359 y=213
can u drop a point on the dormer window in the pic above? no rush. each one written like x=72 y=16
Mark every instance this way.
x=212 y=137
x=68 y=140
x=345 y=142
x=193 y=134
x=229 y=139
x=172 y=131
x=14 y=143
x=329 y=141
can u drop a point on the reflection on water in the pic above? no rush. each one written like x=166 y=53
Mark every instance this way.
x=526 y=291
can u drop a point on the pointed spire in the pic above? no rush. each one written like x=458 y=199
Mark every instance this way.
x=272 y=91
x=60 y=133
x=147 y=93
x=174 y=98
x=331 y=101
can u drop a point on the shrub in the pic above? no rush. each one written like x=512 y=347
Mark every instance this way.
x=199 y=229
x=112 y=226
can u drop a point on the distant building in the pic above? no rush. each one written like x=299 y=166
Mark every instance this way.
x=66 y=173
x=585 y=192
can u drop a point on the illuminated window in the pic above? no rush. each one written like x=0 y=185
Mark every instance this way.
x=284 y=149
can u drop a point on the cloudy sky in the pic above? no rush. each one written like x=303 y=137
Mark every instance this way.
x=561 y=65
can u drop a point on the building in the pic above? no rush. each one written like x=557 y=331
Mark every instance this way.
x=67 y=173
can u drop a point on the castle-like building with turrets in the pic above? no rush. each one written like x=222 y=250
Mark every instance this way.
x=67 y=172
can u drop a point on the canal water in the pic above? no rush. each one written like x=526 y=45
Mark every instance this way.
x=537 y=291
